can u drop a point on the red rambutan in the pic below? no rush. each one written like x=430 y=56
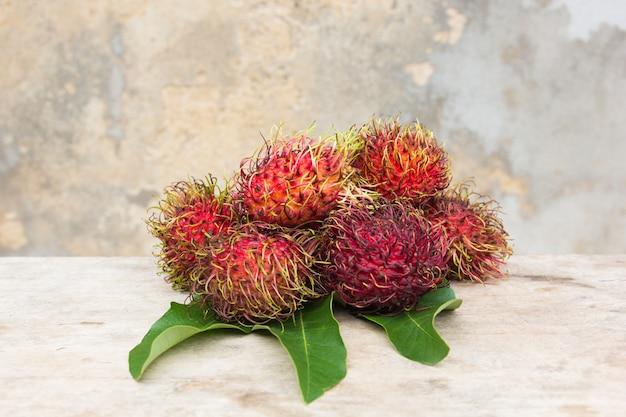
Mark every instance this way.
x=191 y=213
x=478 y=242
x=258 y=272
x=382 y=257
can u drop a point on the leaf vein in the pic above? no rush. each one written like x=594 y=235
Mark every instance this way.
x=420 y=326
x=306 y=354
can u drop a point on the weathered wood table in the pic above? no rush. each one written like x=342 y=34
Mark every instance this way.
x=550 y=340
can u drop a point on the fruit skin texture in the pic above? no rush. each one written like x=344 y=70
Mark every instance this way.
x=382 y=257
x=294 y=180
x=402 y=162
x=478 y=242
x=257 y=273
x=191 y=213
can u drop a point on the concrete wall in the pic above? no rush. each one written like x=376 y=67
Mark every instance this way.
x=102 y=104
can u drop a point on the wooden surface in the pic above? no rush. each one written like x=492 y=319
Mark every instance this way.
x=550 y=340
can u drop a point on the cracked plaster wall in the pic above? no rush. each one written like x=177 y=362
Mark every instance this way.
x=102 y=104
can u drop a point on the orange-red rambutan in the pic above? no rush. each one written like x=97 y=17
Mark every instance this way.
x=294 y=180
x=402 y=161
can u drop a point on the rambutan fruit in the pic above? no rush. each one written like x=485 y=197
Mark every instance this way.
x=402 y=161
x=191 y=213
x=478 y=242
x=382 y=257
x=295 y=179
x=258 y=272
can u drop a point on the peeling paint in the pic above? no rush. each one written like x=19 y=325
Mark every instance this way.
x=587 y=16
x=456 y=24
x=490 y=172
x=12 y=232
x=506 y=183
x=420 y=72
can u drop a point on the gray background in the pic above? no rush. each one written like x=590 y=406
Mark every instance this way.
x=102 y=104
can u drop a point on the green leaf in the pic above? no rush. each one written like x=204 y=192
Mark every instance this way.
x=313 y=342
x=437 y=297
x=311 y=338
x=179 y=323
x=413 y=333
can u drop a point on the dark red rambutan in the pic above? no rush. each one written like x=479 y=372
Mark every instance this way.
x=402 y=161
x=295 y=179
x=191 y=213
x=478 y=242
x=258 y=272
x=382 y=257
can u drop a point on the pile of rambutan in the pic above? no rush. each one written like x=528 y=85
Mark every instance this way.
x=368 y=214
